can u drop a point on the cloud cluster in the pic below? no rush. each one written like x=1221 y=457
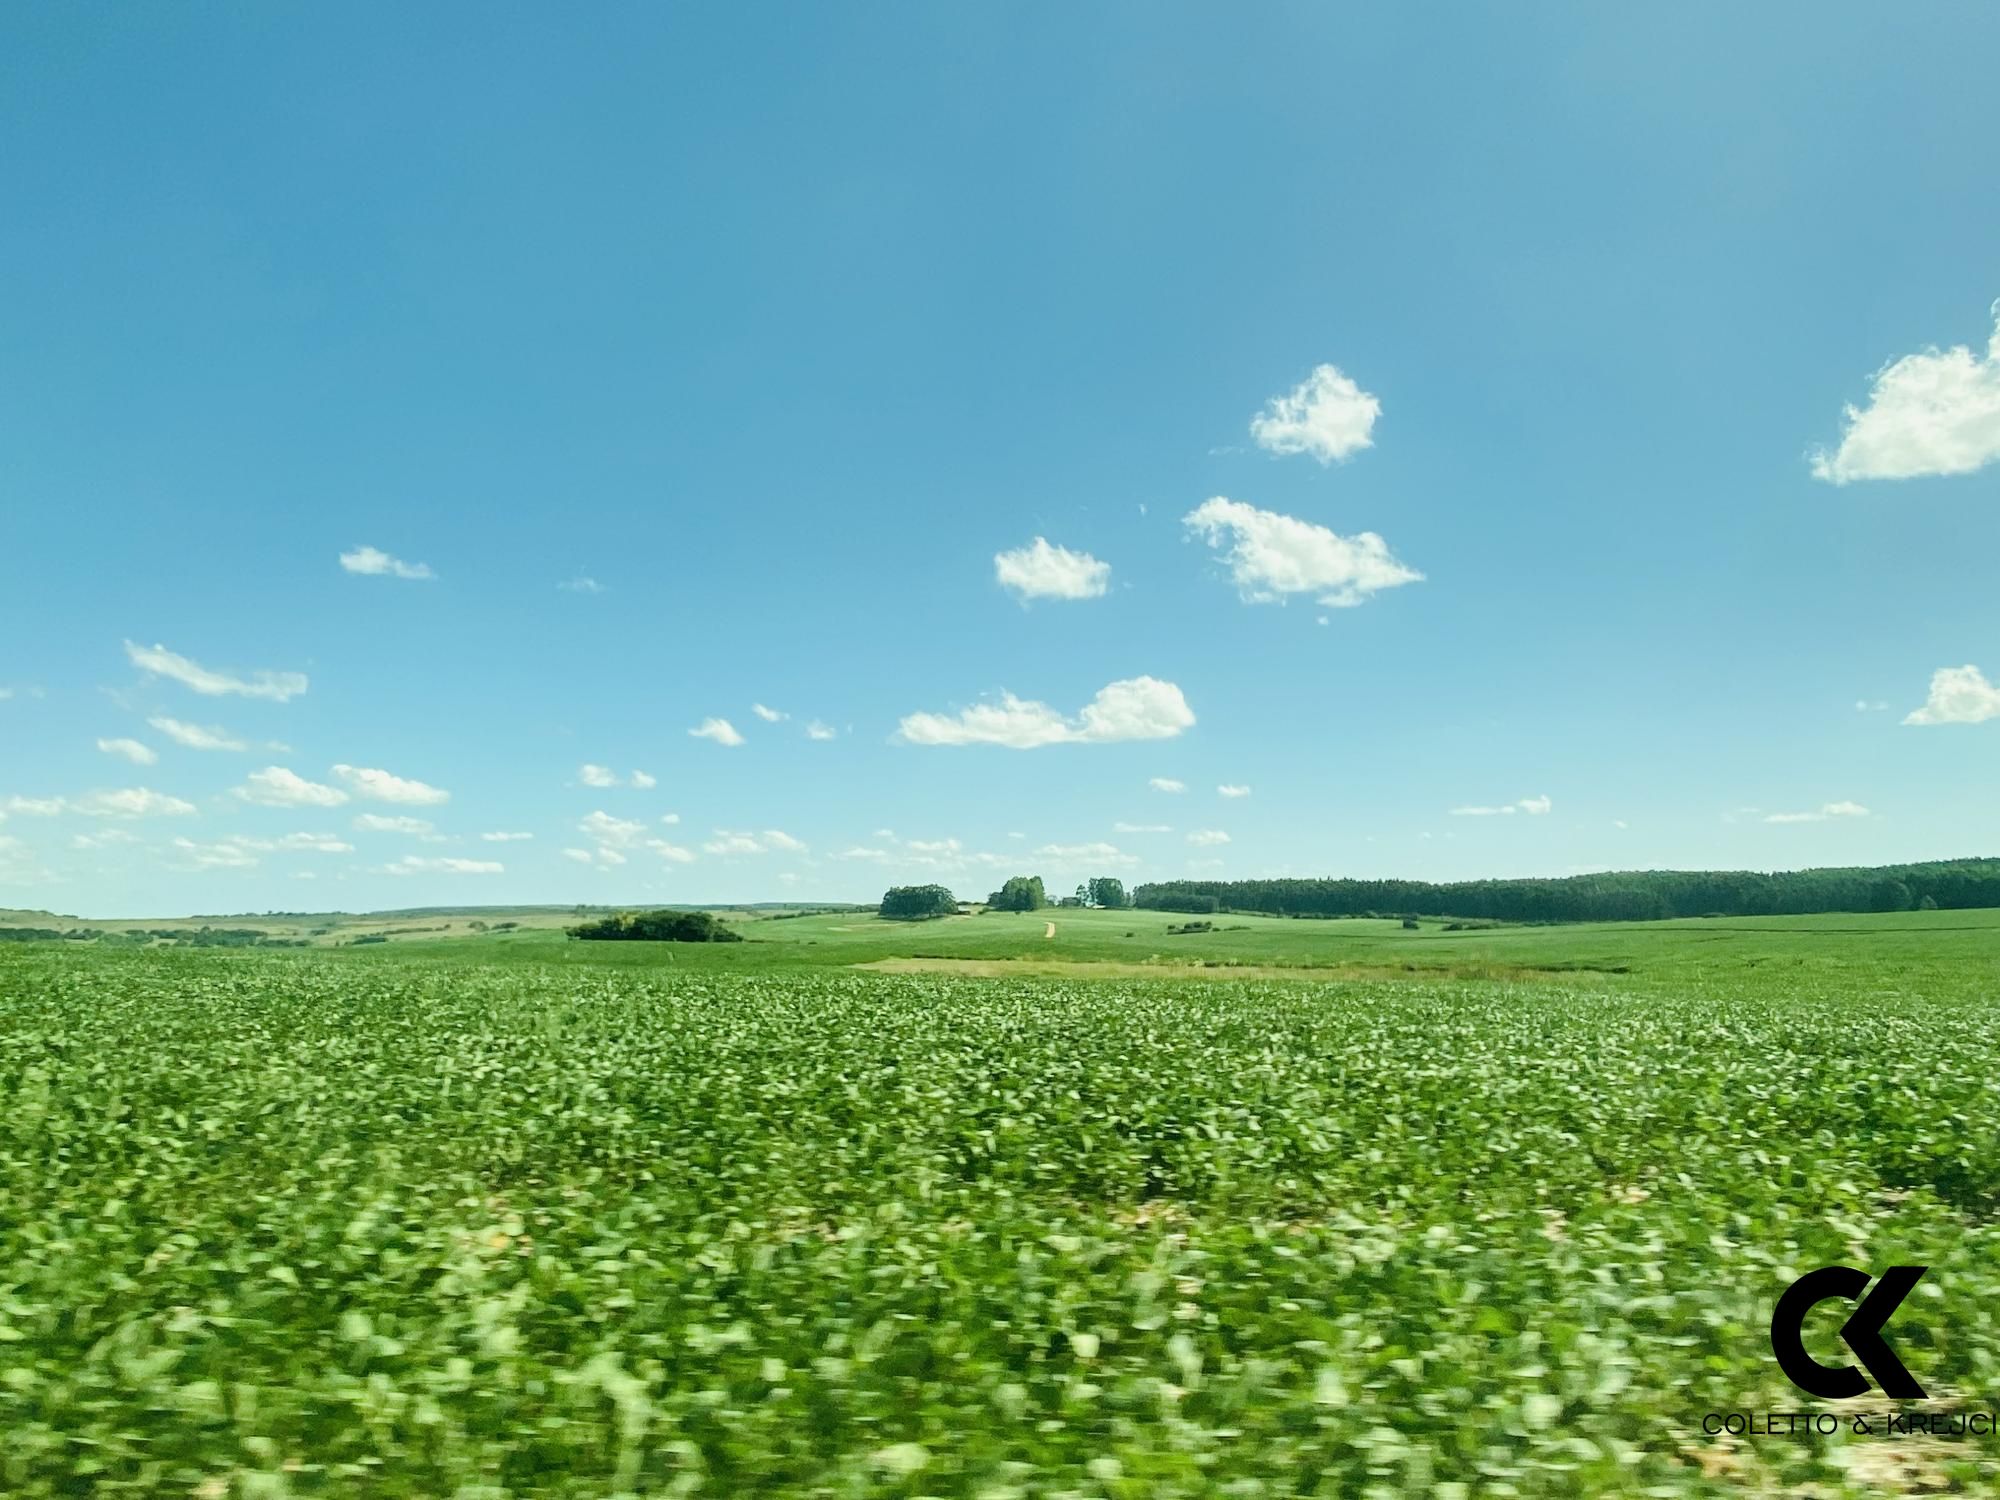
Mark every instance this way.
x=770 y=841
x=132 y=750
x=123 y=802
x=1935 y=412
x=1042 y=571
x=1273 y=556
x=1137 y=708
x=1327 y=415
x=196 y=736
x=604 y=776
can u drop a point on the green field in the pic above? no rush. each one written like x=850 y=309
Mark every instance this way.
x=1288 y=1208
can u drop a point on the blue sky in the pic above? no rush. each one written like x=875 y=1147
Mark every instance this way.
x=780 y=327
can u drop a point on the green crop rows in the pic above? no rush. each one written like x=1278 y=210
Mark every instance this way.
x=297 y=1225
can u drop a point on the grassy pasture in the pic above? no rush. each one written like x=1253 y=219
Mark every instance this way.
x=503 y=1216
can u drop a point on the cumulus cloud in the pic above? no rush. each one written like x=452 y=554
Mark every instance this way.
x=505 y=838
x=581 y=584
x=862 y=853
x=377 y=823
x=604 y=776
x=1534 y=807
x=380 y=786
x=1935 y=412
x=158 y=661
x=131 y=802
x=1167 y=784
x=1138 y=708
x=1826 y=811
x=1959 y=695
x=720 y=730
x=1206 y=838
x=1870 y=706
x=377 y=563
x=316 y=843
x=417 y=864
x=1042 y=571
x=1327 y=415
x=196 y=736
x=768 y=715
x=276 y=786
x=818 y=731
x=132 y=750
x=616 y=832
x=36 y=807
x=1142 y=828
x=1226 y=790
x=1272 y=556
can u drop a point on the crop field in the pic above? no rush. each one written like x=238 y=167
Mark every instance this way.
x=1468 y=1214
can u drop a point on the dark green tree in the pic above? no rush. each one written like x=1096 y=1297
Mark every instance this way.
x=1020 y=893
x=1107 y=891
x=913 y=903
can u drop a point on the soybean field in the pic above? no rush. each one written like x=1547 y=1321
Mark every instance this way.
x=490 y=1224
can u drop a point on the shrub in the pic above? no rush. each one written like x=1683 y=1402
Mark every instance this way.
x=916 y=903
x=658 y=927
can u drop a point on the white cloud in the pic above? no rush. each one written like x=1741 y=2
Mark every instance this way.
x=377 y=563
x=581 y=856
x=1937 y=412
x=1042 y=571
x=380 y=786
x=417 y=864
x=670 y=817
x=818 y=731
x=1327 y=415
x=1226 y=790
x=862 y=853
x=720 y=730
x=934 y=846
x=1959 y=695
x=377 y=823
x=225 y=856
x=602 y=828
x=671 y=852
x=132 y=750
x=36 y=807
x=317 y=843
x=1206 y=838
x=603 y=776
x=279 y=687
x=103 y=839
x=196 y=736
x=768 y=715
x=1142 y=828
x=275 y=786
x=1534 y=807
x=1097 y=854
x=1868 y=706
x=1167 y=784
x=733 y=841
x=131 y=802
x=1826 y=811
x=505 y=838
x=1138 y=708
x=1272 y=555
x=581 y=584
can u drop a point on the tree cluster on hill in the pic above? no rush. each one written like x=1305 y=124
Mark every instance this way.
x=658 y=927
x=1620 y=896
x=1020 y=893
x=913 y=903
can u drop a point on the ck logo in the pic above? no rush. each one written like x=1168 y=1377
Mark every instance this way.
x=1862 y=1332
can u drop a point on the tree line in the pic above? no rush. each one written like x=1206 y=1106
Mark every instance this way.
x=1618 y=896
